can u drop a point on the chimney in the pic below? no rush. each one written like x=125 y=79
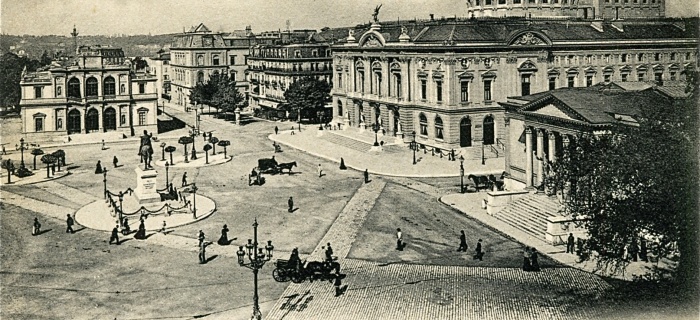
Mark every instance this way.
x=432 y=17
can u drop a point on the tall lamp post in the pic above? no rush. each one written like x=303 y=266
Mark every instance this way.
x=483 y=159
x=375 y=127
x=21 y=148
x=104 y=180
x=461 y=174
x=256 y=260
x=194 y=201
x=413 y=144
x=167 y=180
x=193 y=135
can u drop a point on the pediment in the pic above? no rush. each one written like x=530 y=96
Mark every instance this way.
x=552 y=110
x=372 y=39
x=529 y=38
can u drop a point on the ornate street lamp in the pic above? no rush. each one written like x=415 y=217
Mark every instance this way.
x=194 y=201
x=167 y=179
x=193 y=134
x=21 y=148
x=483 y=160
x=256 y=260
x=104 y=180
x=413 y=144
x=121 y=198
x=375 y=127
x=461 y=174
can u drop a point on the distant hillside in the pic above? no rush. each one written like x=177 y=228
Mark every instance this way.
x=34 y=46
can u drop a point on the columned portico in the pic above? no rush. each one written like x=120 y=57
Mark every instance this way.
x=540 y=156
x=552 y=146
x=528 y=157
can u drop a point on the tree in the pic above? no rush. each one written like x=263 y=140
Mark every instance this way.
x=226 y=96
x=11 y=67
x=309 y=96
x=170 y=149
x=61 y=156
x=185 y=141
x=224 y=143
x=36 y=152
x=8 y=165
x=45 y=59
x=213 y=141
x=206 y=148
x=48 y=160
x=624 y=189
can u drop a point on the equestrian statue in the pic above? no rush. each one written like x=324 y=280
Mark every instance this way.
x=146 y=150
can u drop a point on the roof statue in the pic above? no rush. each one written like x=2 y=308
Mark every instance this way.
x=376 y=13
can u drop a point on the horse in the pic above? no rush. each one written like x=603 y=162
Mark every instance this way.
x=287 y=166
x=480 y=182
x=314 y=269
x=146 y=153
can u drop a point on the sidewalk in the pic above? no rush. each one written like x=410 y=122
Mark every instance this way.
x=396 y=159
x=469 y=204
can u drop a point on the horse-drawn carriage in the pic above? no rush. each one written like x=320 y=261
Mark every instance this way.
x=298 y=272
x=271 y=166
x=483 y=182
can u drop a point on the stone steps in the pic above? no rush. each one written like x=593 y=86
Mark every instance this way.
x=529 y=214
x=347 y=142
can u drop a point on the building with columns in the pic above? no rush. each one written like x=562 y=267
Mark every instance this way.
x=444 y=78
x=585 y=9
x=96 y=91
x=539 y=126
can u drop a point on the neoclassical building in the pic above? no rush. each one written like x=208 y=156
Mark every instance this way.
x=585 y=9
x=444 y=78
x=96 y=91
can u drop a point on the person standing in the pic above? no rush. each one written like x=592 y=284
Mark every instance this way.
x=141 y=232
x=184 y=179
x=115 y=235
x=399 y=239
x=533 y=260
x=223 y=240
x=320 y=171
x=479 y=253
x=202 y=253
x=366 y=176
x=276 y=130
x=570 y=243
x=36 y=229
x=98 y=167
x=115 y=161
x=103 y=144
x=200 y=237
x=329 y=252
x=527 y=266
x=462 y=242
x=337 y=283
x=290 y=203
x=69 y=224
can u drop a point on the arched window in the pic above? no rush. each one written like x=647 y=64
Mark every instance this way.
x=215 y=60
x=200 y=77
x=109 y=86
x=74 y=88
x=488 y=135
x=438 y=127
x=465 y=132
x=423 y=122
x=360 y=78
x=91 y=87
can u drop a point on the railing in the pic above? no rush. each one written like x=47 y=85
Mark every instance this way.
x=499 y=142
x=494 y=150
x=441 y=152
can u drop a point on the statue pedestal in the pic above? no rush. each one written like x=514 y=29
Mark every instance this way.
x=376 y=149
x=145 y=191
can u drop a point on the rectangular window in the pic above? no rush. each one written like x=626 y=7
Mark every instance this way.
x=606 y=78
x=552 y=83
x=37 y=92
x=245 y=59
x=673 y=76
x=215 y=60
x=657 y=56
x=517 y=1
x=231 y=60
x=571 y=81
x=487 y=90
x=398 y=86
x=687 y=56
x=423 y=89
x=142 y=87
x=38 y=124
x=438 y=87
x=640 y=57
x=464 y=91
x=658 y=77
x=340 y=80
x=233 y=76
x=589 y=81
x=624 y=77
x=640 y=76
x=525 y=85
x=122 y=119
x=501 y=1
x=623 y=57
x=142 y=118
x=673 y=56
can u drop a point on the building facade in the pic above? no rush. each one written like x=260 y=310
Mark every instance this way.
x=443 y=79
x=159 y=66
x=198 y=53
x=96 y=91
x=585 y=9
x=273 y=68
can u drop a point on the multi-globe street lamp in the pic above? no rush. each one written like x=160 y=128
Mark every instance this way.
x=414 y=146
x=256 y=260
x=375 y=127
x=461 y=174
x=21 y=148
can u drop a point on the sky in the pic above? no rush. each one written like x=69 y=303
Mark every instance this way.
x=111 y=17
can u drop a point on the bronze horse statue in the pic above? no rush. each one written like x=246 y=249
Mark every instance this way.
x=145 y=150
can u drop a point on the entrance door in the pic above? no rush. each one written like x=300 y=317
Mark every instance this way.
x=92 y=121
x=73 y=125
x=488 y=130
x=465 y=133
x=110 y=119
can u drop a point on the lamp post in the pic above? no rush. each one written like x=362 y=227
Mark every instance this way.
x=162 y=149
x=194 y=201
x=121 y=198
x=375 y=127
x=461 y=174
x=21 y=148
x=413 y=144
x=167 y=180
x=193 y=134
x=104 y=180
x=483 y=160
x=256 y=260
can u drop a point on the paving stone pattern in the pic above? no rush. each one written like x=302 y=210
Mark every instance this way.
x=408 y=291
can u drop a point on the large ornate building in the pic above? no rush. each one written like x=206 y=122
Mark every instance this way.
x=274 y=67
x=198 y=53
x=96 y=91
x=585 y=9
x=444 y=78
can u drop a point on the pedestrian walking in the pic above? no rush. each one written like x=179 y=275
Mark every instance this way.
x=290 y=203
x=103 y=144
x=399 y=239
x=202 y=253
x=462 y=242
x=3 y=150
x=342 y=164
x=527 y=254
x=141 y=232
x=276 y=130
x=329 y=252
x=337 y=283
x=200 y=237
x=366 y=176
x=223 y=240
x=184 y=179
x=479 y=253
x=98 y=167
x=535 y=265
x=115 y=161
x=570 y=243
x=36 y=228
x=69 y=224
x=320 y=171
x=115 y=235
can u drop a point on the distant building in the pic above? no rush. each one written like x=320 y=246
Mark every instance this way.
x=585 y=9
x=272 y=68
x=198 y=53
x=159 y=66
x=95 y=91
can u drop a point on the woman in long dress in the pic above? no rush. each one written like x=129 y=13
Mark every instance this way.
x=533 y=260
x=223 y=241
x=527 y=266
x=141 y=233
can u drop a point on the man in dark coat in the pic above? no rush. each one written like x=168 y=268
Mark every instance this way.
x=184 y=179
x=570 y=243
x=337 y=283
x=329 y=252
x=115 y=161
x=290 y=202
x=69 y=224
x=37 y=227
x=115 y=235
x=276 y=129
x=479 y=253
x=462 y=242
x=202 y=253
x=366 y=176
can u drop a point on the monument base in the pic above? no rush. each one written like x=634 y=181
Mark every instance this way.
x=376 y=149
x=146 y=191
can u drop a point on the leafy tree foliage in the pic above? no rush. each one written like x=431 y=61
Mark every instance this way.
x=220 y=92
x=308 y=97
x=11 y=67
x=638 y=182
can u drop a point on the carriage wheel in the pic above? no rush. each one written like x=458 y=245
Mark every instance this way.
x=297 y=277
x=279 y=275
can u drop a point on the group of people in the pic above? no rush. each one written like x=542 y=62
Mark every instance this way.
x=463 y=246
x=530 y=261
